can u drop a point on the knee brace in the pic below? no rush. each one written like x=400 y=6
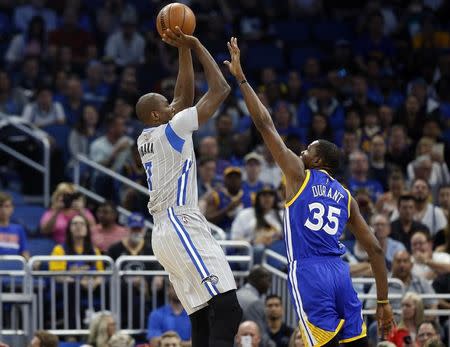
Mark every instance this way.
x=225 y=316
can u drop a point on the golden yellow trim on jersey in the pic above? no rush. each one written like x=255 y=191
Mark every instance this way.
x=360 y=336
x=305 y=182
x=349 y=202
x=321 y=336
x=326 y=172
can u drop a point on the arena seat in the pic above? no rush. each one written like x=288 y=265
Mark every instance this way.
x=292 y=32
x=29 y=216
x=260 y=56
x=330 y=31
x=40 y=246
x=70 y=344
x=299 y=55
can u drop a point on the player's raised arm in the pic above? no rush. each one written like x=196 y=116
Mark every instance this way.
x=291 y=165
x=184 y=87
x=218 y=88
x=360 y=229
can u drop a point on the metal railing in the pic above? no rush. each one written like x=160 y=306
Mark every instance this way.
x=38 y=135
x=82 y=159
x=63 y=299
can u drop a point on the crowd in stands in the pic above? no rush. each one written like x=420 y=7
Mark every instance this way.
x=371 y=76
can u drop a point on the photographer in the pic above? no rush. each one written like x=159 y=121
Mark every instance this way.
x=66 y=203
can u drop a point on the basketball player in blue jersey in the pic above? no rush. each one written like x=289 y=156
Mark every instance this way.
x=181 y=238
x=317 y=210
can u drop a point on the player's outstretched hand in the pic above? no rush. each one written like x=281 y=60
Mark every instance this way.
x=179 y=39
x=235 y=56
x=385 y=320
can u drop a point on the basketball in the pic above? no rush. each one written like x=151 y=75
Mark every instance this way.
x=176 y=14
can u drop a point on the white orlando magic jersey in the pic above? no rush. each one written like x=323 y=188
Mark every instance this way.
x=167 y=154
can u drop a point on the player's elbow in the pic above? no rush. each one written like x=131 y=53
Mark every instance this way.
x=375 y=249
x=226 y=90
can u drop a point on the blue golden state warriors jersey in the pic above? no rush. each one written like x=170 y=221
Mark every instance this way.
x=316 y=217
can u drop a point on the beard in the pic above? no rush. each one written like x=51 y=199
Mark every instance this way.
x=420 y=199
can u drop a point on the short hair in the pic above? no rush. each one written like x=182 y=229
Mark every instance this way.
x=47 y=339
x=424 y=232
x=405 y=197
x=420 y=179
x=204 y=160
x=443 y=186
x=330 y=155
x=273 y=296
x=5 y=197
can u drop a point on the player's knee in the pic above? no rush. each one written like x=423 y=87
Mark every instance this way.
x=225 y=315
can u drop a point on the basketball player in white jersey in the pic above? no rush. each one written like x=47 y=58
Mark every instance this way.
x=181 y=238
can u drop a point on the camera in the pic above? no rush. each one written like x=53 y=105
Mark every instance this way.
x=68 y=199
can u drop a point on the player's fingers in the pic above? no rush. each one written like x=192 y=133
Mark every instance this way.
x=179 y=31
x=169 y=33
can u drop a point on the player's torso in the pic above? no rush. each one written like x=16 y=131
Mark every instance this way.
x=316 y=218
x=170 y=167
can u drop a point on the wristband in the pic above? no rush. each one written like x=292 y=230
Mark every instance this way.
x=383 y=301
x=242 y=82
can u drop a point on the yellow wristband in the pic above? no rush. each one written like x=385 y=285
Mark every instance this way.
x=382 y=301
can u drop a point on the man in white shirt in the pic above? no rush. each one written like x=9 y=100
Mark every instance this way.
x=126 y=46
x=427 y=213
x=44 y=111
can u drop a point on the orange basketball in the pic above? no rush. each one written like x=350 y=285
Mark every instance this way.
x=176 y=14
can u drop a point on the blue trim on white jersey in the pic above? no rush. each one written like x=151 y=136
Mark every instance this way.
x=182 y=183
x=192 y=251
x=175 y=141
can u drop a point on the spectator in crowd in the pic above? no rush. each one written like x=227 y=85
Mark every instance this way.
x=107 y=232
x=13 y=240
x=411 y=316
x=134 y=244
x=43 y=338
x=426 y=212
x=65 y=204
x=78 y=242
x=170 y=339
x=171 y=317
x=226 y=202
x=270 y=172
x=73 y=102
x=296 y=339
x=388 y=202
x=405 y=226
x=382 y=229
x=126 y=46
x=207 y=180
x=320 y=128
x=83 y=133
x=379 y=169
x=359 y=176
x=208 y=147
x=252 y=183
x=95 y=90
x=249 y=335
x=401 y=269
x=224 y=134
x=69 y=34
x=12 y=99
x=121 y=340
x=427 y=331
x=258 y=283
x=428 y=264
x=25 y=13
x=261 y=225
x=33 y=42
x=444 y=200
x=110 y=150
x=278 y=331
x=101 y=329
x=44 y=111
x=399 y=150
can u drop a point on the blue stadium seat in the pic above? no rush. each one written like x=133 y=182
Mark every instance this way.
x=260 y=56
x=60 y=132
x=330 y=31
x=292 y=32
x=29 y=216
x=299 y=56
x=70 y=344
x=40 y=246
x=16 y=196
